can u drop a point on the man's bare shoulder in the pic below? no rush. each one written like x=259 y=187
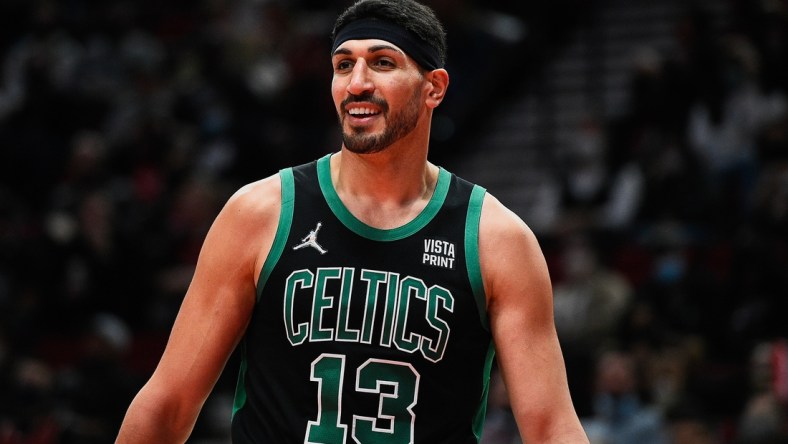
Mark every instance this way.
x=510 y=255
x=257 y=199
x=499 y=224
x=246 y=226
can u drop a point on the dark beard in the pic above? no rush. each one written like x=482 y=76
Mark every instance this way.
x=398 y=125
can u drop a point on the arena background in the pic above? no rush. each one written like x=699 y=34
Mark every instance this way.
x=645 y=142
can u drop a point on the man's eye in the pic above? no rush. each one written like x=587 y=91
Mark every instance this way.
x=385 y=63
x=343 y=65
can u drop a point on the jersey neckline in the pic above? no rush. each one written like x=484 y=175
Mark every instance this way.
x=378 y=234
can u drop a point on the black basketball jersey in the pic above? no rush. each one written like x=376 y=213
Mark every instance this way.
x=363 y=335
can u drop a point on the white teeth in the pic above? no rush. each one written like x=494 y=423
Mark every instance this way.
x=360 y=111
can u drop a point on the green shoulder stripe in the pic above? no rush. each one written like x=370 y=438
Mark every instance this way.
x=282 y=230
x=472 y=251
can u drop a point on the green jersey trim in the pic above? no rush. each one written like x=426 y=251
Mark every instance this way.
x=372 y=233
x=240 y=386
x=481 y=413
x=282 y=230
x=472 y=252
x=278 y=246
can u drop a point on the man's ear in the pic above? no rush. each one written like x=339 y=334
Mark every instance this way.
x=438 y=84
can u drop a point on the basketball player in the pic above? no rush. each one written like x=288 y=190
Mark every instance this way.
x=370 y=290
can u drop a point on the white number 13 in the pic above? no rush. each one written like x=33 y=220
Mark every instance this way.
x=395 y=406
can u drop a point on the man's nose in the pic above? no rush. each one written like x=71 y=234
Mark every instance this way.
x=360 y=81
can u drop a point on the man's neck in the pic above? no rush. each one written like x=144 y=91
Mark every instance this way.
x=386 y=189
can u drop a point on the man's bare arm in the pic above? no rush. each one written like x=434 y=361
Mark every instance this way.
x=211 y=321
x=520 y=307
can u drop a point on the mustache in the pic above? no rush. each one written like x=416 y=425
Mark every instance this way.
x=367 y=98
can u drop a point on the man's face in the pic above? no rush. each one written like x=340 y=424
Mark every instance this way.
x=378 y=93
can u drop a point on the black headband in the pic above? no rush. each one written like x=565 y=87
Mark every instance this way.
x=422 y=52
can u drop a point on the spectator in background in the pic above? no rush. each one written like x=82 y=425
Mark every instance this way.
x=596 y=193
x=621 y=416
x=688 y=423
x=764 y=418
x=97 y=383
x=590 y=298
x=724 y=134
x=29 y=410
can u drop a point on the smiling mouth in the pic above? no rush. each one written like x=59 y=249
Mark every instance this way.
x=362 y=112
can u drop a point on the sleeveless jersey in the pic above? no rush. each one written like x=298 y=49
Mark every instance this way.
x=363 y=335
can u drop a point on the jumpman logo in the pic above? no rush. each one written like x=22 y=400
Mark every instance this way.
x=311 y=240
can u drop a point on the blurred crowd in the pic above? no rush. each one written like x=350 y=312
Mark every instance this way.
x=125 y=125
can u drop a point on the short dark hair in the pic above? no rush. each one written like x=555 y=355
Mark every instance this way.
x=413 y=16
